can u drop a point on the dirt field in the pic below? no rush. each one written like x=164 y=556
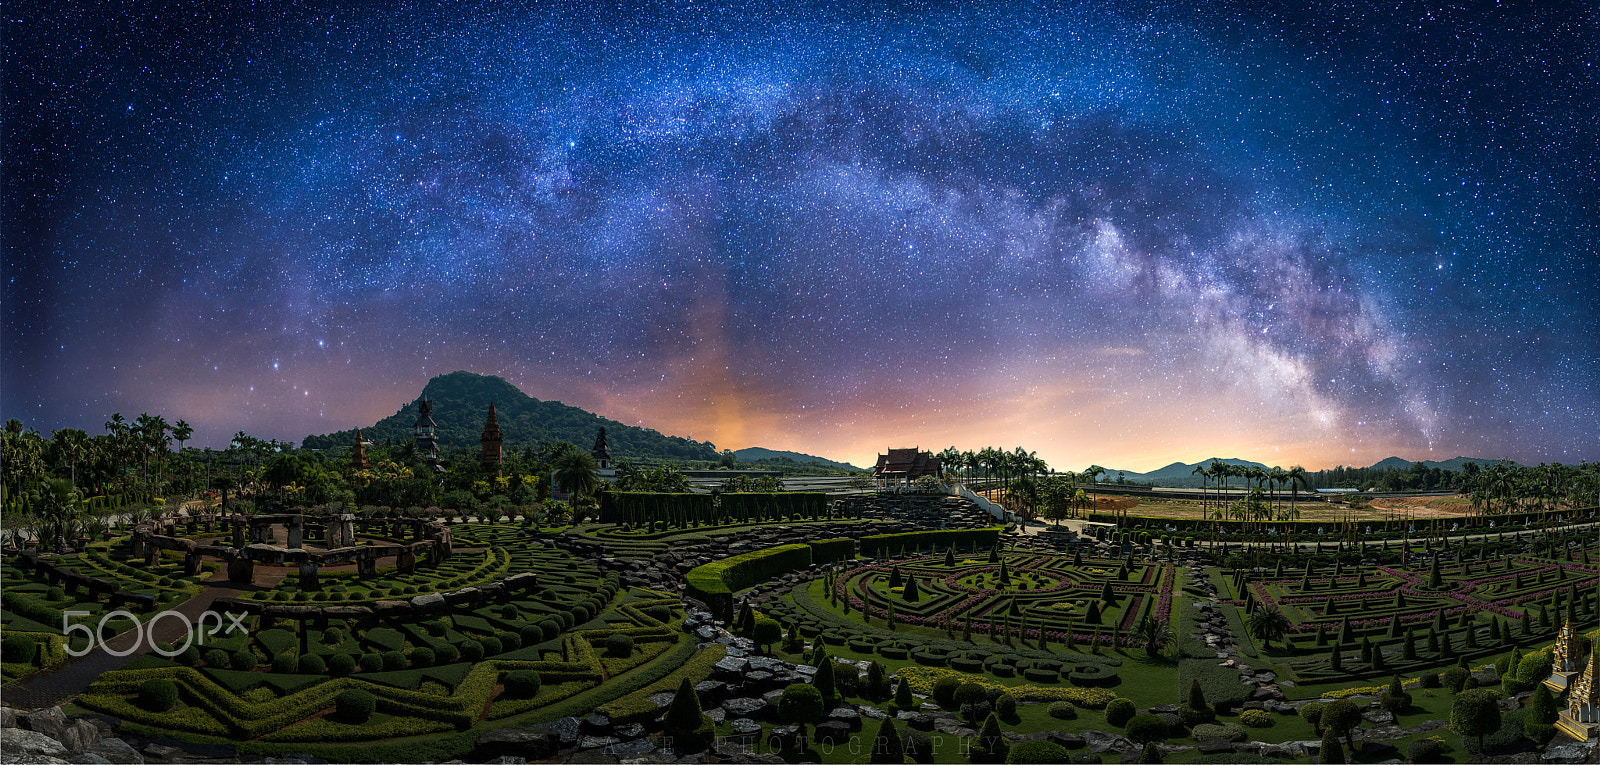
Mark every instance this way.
x=1414 y=507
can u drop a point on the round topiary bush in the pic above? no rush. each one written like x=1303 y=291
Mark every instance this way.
x=216 y=657
x=393 y=661
x=1038 y=752
x=242 y=659
x=530 y=634
x=19 y=649
x=55 y=593
x=1120 y=711
x=944 y=691
x=371 y=662
x=157 y=694
x=1255 y=718
x=1426 y=750
x=549 y=629
x=509 y=641
x=354 y=705
x=619 y=646
x=1145 y=728
x=967 y=693
x=472 y=651
x=492 y=646
x=284 y=663
x=188 y=657
x=522 y=683
x=1225 y=732
x=1063 y=710
x=447 y=653
x=1005 y=706
x=312 y=664
x=341 y=665
x=661 y=614
x=422 y=656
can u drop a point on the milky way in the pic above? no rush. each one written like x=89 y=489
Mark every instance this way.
x=1121 y=234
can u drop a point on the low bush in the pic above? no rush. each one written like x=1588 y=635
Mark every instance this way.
x=216 y=658
x=1038 y=752
x=393 y=661
x=312 y=664
x=243 y=659
x=355 y=705
x=472 y=651
x=371 y=662
x=341 y=665
x=447 y=653
x=1426 y=750
x=1119 y=712
x=1063 y=710
x=522 y=683
x=1224 y=732
x=619 y=646
x=19 y=649
x=1255 y=718
x=157 y=694
x=284 y=663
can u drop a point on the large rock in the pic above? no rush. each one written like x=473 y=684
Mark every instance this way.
x=50 y=721
x=428 y=603
x=743 y=707
x=533 y=743
x=16 y=743
x=79 y=735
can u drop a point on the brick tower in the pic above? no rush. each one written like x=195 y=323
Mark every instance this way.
x=491 y=441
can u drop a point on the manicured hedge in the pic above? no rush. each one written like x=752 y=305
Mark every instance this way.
x=879 y=545
x=830 y=550
x=714 y=583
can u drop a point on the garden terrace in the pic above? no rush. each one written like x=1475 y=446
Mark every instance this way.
x=1408 y=618
x=927 y=510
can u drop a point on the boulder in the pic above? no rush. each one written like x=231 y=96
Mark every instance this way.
x=117 y=751
x=429 y=603
x=596 y=722
x=79 y=735
x=50 y=721
x=531 y=743
x=743 y=707
x=16 y=743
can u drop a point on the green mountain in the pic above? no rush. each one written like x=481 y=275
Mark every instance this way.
x=758 y=454
x=461 y=404
x=1456 y=464
x=1176 y=475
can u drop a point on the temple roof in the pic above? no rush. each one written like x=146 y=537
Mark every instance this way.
x=906 y=463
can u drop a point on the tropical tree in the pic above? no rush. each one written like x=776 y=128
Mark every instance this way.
x=181 y=432
x=1155 y=633
x=1267 y=624
x=576 y=471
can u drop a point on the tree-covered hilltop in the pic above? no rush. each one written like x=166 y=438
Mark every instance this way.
x=461 y=402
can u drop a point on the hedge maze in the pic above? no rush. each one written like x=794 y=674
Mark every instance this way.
x=1379 y=620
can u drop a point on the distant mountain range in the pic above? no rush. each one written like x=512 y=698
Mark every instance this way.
x=461 y=404
x=1182 y=476
x=758 y=454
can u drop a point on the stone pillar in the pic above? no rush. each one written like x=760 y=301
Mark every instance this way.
x=152 y=555
x=192 y=525
x=258 y=533
x=191 y=564
x=347 y=530
x=238 y=530
x=241 y=569
x=308 y=576
x=407 y=562
x=366 y=565
x=141 y=539
x=416 y=531
x=296 y=533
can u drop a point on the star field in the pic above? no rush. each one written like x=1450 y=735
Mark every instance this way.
x=1122 y=233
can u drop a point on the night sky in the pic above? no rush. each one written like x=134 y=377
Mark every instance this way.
x=1119 y=233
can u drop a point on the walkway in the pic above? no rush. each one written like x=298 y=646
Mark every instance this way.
x=57 y=686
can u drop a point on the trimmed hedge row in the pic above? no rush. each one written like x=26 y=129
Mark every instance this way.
x=637 y=707
x=879 y=545
x=714 y=583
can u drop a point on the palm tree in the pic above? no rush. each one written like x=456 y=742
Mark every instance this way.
x=1155 y=633
x=71 y=446
x=59 y=508
x=182 y=433
x=576 y=472
x=1267 y=624
x=1205 y=476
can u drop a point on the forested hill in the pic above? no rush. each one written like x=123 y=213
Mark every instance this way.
x=461 y=402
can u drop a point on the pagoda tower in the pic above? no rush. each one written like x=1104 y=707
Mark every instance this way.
x=491 y=441
x=358 y=458
x=427 y=436
x=602 y=452
x=1564 y=660
x=1582 y=715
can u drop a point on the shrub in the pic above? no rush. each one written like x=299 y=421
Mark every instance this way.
x=393 y=661
x=1143 y=729
x=509 y=641
x=1255 y=718
x=1038 y=751
x=1454 y=679
x=1429 y=680
x=1120 y=711
x=619 y=646
x=57 y=593
x=422 y=656
x=1063 y=710
x=549 y=629
x=968 y=693
x=284 y=663
x=188 y=657
x=531 y=634
x=216 y=657
x=522 y=683
x=917 y=745
x=19 y=649
x=944 y=691
x=1005 y=706
x=492 y=646
x=243 y=659
x=341 y=665
x=447 y=653
x=354 y=705
x=973 y=711
x=1426 y=750
x=312 y=664
x=472 y=651
x=371 y=662
x=157 y=694
x=1224 y=732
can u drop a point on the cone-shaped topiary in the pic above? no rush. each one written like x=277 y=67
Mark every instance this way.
x=895 y=579
x=886 y=746
x=902 y=695
x=1332 y=751
x=991 y=741
x=912 y=594
x=825 y=682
